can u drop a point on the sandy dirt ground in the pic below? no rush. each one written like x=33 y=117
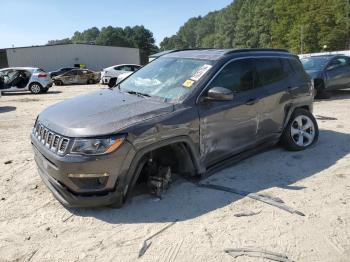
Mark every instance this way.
x=316 y=182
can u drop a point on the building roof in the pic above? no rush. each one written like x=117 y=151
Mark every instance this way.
x=65 y=45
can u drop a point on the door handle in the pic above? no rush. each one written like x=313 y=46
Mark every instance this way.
x=252 y=101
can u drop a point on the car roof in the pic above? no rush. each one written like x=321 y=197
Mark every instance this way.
x=324 y=56
x=125 y=64
x=21 y=68
x=217 y=54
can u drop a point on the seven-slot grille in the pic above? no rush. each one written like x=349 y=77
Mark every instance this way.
x=51 y=140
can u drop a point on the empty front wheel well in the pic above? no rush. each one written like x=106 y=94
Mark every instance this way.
x=176 y=156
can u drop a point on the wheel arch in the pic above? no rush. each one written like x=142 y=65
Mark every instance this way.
x=291 y=109
x=142 y=156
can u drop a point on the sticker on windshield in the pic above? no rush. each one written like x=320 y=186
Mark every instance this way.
x=188 y=83
x=201 y=72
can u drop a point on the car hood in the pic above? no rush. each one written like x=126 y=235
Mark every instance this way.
x=313 y=73
x=101 y=113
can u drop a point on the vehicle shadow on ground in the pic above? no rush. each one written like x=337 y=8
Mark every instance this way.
x=5 y=109
x=21 y=93
x=337 y=95
x=274 y=168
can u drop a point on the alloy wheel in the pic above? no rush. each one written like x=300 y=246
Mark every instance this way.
x=35 y=88
x=302 y=131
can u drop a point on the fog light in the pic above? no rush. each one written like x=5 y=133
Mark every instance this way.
x=102 y=175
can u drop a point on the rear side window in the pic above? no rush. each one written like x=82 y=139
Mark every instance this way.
x=238 y=76
x=298 y=68
x=269 y=71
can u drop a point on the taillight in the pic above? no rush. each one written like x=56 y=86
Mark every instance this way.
x=42 y=75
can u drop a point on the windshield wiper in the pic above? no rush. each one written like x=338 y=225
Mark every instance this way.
x=138 y=94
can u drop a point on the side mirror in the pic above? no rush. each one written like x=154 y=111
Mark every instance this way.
x=219 y=94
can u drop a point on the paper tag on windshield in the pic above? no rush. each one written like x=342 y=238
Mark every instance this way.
x=188 y=83
x=201 y=72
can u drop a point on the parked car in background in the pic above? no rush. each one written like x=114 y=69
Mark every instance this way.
x=30 y=79
x=119 y=79
x=184 y=113
x=61 y=71
x=109 y=75
x=77 y=76
x=329 y=72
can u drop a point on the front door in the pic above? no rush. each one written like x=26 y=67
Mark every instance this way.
x=229 y=127
x=338 y=73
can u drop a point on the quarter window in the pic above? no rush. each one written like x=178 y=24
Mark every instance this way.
x=269 y=71
x=237 y=76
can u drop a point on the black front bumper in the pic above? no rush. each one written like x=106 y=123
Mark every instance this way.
x=68 y=199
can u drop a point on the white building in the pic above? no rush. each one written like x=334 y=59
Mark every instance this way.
x=53 y=57
x=344 y=52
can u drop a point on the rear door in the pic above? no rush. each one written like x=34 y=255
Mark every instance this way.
x=70 y=77
x=228 y=127
x=273 y=81
x=338 y=73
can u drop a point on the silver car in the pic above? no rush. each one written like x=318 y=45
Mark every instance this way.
x=30 y=79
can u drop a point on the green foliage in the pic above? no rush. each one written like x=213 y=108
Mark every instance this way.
x=137 y=36
x=309 y=25
x=59 y=42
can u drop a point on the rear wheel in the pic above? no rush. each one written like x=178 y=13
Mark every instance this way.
x=35 y=88
x=301 y=131
x=90 y=81
x=58 y=83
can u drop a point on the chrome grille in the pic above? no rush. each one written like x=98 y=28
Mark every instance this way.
x=51 y=140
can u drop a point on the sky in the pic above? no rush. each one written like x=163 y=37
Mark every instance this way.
x=34 y=22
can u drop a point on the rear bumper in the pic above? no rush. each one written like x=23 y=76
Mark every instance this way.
x=49 y=85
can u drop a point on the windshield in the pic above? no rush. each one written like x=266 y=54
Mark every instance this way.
x=169 y=78
x=314 y=63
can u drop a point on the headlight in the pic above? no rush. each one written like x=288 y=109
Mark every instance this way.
x=96 y=146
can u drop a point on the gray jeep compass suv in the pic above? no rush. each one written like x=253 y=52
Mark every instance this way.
x=185 y=112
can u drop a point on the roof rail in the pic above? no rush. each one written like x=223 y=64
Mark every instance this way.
x=239 y=50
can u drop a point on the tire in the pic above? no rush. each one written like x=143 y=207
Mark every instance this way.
x=35 y=88
x=58 y=83
x=320 y=90
x=301 y=131
x=112 y=82
x=90 y=81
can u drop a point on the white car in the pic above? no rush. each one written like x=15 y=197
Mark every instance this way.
x=30 y=79
x=110 y=74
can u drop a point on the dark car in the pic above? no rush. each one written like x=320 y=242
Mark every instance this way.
x=61 y=71
x=186 y=113
x=77 y=76
x=329 y=72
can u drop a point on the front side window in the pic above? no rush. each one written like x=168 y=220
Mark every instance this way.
x=269 y=71
x=238 y=76
x=170 y=78
x=71 y=73
x=339 y=62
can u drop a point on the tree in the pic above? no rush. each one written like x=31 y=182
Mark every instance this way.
x=59 y=42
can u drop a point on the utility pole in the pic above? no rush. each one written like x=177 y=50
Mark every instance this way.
x=301 y=39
